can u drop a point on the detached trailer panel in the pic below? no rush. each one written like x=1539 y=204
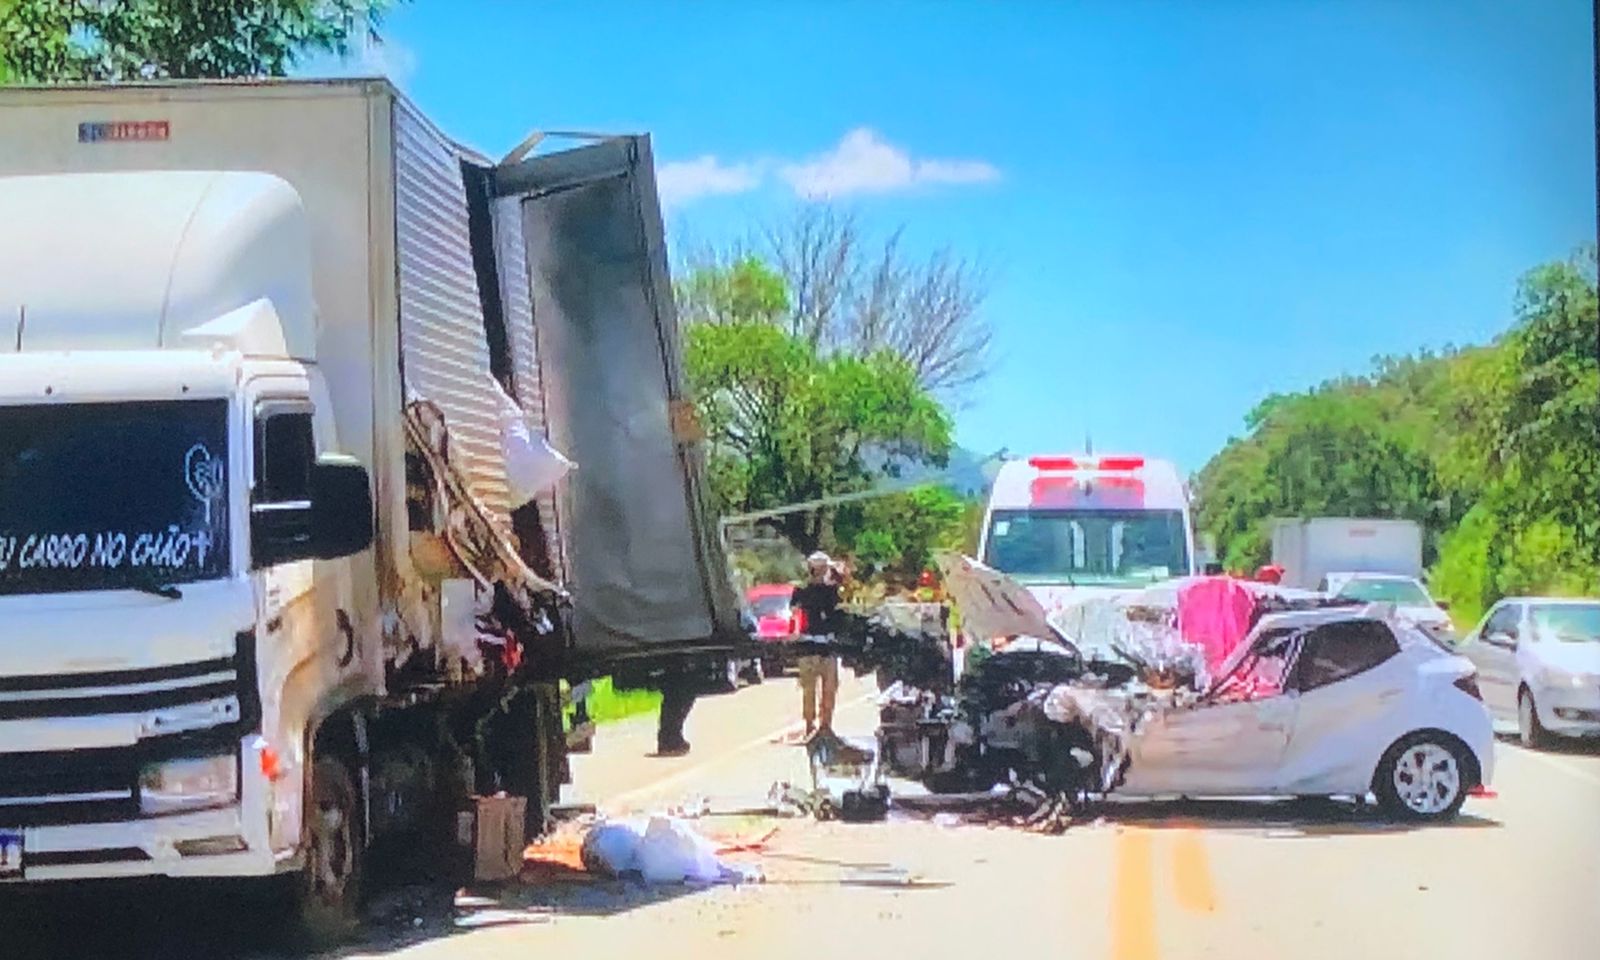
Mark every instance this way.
x=644 y=563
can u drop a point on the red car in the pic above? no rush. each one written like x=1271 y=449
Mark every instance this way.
x=776 y=618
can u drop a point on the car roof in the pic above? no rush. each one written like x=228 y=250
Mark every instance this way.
x=770 y=590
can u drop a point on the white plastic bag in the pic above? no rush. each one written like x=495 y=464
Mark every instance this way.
x=612 y=848
x=672 y=852
x=532 y=465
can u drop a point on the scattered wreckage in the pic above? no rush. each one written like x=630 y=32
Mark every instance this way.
x=1309 y=697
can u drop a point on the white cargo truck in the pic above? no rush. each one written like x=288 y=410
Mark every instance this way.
x=1310 y=549
x=268 y=602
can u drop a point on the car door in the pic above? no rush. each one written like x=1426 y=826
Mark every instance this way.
x=1221 y=746
x=1350 y=685
x=1494 y=652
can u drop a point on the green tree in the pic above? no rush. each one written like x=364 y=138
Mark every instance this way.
x=785 y=422
x=1496 y=449
x=787 y=425
x=46 y=41
x=899 y=532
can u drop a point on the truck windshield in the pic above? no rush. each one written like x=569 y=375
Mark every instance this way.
x=1102 y=547
x=99 y=496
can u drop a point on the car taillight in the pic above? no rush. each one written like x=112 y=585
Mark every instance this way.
x=1469 y=686
x=797 y=621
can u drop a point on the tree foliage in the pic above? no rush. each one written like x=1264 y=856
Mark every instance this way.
x=1496 y=449
x=845 y=293
x=787 y=423
x=46 y=41
x=899 y=533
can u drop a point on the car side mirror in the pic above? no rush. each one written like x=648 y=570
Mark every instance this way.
x=341 y=507
x=1502 y=639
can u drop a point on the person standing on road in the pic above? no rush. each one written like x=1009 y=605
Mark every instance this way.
x=818 y=600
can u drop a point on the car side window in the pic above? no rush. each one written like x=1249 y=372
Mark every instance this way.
x=1337 y=651
x=1505 y=620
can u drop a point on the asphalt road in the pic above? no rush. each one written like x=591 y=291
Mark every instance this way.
x=1517 y=876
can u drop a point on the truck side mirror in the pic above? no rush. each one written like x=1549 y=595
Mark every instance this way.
x=341 y=507
x=336 y=522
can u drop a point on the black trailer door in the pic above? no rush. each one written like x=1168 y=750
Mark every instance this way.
x=644 y=559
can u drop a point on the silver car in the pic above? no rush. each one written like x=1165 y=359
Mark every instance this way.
x=1539 y=658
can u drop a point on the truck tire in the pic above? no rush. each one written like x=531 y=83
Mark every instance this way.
x=328 y=889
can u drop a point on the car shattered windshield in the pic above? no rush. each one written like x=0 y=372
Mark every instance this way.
x=1570 y=623
x=112 y=496
x=1101 y=547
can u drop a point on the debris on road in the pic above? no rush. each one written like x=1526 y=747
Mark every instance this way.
x=662 y=850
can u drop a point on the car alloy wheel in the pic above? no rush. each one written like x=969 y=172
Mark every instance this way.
x=1427 y=779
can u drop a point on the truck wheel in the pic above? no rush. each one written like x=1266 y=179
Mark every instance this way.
x=329 y=887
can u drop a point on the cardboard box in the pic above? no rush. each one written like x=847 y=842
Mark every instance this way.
x=494 y=831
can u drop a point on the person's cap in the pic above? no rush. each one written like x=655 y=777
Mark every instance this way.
x=818 y=559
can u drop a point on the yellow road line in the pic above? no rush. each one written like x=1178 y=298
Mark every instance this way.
x=1192 y=871
x=1133 y=904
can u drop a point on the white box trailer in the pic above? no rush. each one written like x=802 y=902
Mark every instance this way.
x=1310 y=549
x=258 y=549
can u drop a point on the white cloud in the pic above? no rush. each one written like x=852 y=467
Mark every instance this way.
x=367 y=58
x=863 y=162
x=387 y=58
x=682 y=181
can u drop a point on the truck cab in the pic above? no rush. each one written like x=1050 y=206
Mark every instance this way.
x=177 y=520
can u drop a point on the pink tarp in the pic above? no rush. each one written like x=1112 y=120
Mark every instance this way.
x=1215 y=613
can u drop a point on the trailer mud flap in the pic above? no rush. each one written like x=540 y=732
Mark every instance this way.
x=645 y=566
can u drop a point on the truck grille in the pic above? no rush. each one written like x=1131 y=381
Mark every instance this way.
x=69 y=786
x=182 y=709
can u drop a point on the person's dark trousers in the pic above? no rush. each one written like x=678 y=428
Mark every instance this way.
x=678 y=693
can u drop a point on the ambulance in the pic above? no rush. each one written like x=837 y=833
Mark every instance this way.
x=1078 y=527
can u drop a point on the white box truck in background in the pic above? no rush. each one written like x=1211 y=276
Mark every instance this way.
x=266 y=598
x=1308 y=549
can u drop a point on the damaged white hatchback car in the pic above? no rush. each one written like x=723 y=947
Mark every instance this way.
x=1333 y=702
x=1328 y=701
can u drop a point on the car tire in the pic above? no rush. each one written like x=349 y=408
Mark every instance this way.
x=327 y=892
x=1530 y=731
x=1424 y=778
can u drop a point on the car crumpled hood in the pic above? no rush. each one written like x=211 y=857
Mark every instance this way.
x=991 y=603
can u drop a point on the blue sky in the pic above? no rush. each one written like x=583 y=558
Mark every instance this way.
x=1183 y=206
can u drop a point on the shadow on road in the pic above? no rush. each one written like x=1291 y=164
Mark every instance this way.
x=1562 y=746
x=1297 y=819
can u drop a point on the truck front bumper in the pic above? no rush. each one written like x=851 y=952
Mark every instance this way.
x=207 y=843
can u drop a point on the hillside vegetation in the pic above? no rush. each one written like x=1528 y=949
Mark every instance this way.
x=1495 y=449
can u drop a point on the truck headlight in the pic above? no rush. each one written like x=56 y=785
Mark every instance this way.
x=190 y=783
